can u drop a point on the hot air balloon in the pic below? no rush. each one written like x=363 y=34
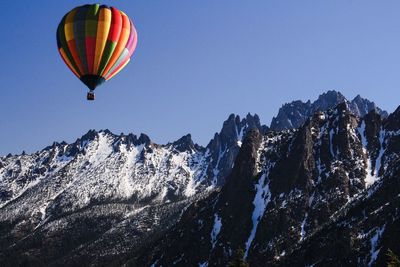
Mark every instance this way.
x=96 y=42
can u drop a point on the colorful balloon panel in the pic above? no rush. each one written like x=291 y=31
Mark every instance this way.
x=96 y=42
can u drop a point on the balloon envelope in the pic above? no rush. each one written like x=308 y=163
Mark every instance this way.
x=96 y=42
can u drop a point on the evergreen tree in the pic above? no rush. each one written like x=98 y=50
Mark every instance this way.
x=393 y=259
x=238 y=259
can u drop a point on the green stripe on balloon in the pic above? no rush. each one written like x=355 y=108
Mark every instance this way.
x=79 y=34
x=107 y=53
x=62 y=42
x=92 y=17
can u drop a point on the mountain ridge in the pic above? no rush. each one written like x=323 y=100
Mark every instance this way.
x=325 y=164
x=293 y=115
x=121 y=199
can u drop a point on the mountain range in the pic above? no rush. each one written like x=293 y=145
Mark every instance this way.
x=318 y=187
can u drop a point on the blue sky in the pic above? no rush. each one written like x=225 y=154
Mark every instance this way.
x=196 y=62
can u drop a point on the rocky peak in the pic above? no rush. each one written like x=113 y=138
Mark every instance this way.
x=73 y=149
x=224 y=147
x=89 y=136
x=229 y=130
x=328 y=100
x=359 y=101
x=392 y=123
x=234 y=130
x=294 y=114
x=253 y=122
x=185 y=143
x=361 y=106
x=144 y=139
x=290 y=115
x=248 y=154
x=130 y=140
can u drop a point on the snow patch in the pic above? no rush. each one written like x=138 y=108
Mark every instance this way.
x=372 y=175
x=260 y=202
x=381 y=151
x=331 y=132
x=302 y=231
x=216 y=229
x=216 y=168
x=239 y=134
x=374 y=245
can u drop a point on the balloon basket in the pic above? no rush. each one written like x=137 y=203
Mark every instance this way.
x=90 y=96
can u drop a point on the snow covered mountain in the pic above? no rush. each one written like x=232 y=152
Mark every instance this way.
x=104 y=166
x=293 y=115
x=105 y=180
x=117 y=200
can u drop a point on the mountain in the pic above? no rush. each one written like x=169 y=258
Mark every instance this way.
x=326 y=194
x=225 y=145
x=293 y=115
x=102 y=186
x=323 y=192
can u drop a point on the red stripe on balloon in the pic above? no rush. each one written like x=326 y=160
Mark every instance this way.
x=116 y=25
x=90 y=50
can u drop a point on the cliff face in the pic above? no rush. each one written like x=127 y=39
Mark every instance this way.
x=324 y=194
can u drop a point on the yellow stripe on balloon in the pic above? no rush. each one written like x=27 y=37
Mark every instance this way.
x=123 y=39
x=118 y=70
x=103 y=27
x=68 y=62
x=69 y=25
x=69 y=36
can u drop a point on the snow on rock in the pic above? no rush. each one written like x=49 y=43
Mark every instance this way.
x=381 y=151
x=370 y=178
x=372 y=175
x=216 y=168
x=239 y=135
x=302 y=231
x=216 y=229
x=374 y=245
x=260 y=202
x=331 y=134
x=262 y=192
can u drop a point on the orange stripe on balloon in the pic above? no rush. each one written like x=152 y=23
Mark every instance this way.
x=75 y=55
x=68 y=62
x=123 y=39
x=103 y=27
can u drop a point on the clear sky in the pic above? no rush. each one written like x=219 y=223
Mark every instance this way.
x=196 y=62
